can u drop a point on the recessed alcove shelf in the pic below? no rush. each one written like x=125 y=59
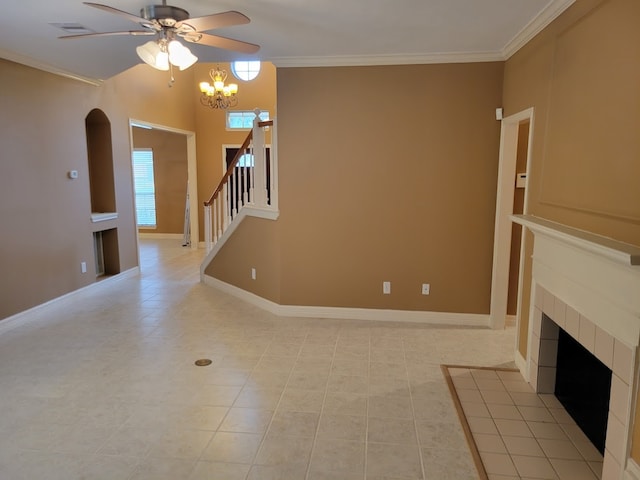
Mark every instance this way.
x=103 y=216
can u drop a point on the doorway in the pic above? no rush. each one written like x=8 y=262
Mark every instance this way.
x=192 y=175
x=512 y=197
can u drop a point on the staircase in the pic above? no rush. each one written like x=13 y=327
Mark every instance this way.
x=249 y=187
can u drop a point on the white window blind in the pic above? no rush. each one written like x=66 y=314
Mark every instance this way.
x=144 y=186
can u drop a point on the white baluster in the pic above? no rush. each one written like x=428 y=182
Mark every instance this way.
x=234 y=194
x=245 y=190
x=274 y=166
x=207 y=228
x=220 y=214
x=259 y=163
x=252 y=176
x=226 y=204
x=214 y=223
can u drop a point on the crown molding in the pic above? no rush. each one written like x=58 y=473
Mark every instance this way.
x=552 y=11
x=387 y=59
x=30 y=62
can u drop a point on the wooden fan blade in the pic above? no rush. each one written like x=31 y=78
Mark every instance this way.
x=105 y=34
x=122 y=13
x=217 y=20
x=222 y=42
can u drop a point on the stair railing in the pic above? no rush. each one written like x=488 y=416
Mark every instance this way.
x=250 y=181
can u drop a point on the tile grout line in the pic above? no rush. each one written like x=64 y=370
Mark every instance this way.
x=526 y=422
x=475 y=453
x=366 y=409
x=324 y=398
x=199 y=459
x=246 y=381
x=413 y=412
x=275 y=409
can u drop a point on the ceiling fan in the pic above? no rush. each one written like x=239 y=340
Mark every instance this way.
x=167 y=23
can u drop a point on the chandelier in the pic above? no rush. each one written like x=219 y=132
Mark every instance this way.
x=217 y=94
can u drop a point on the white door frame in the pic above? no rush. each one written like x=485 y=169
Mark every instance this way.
x=192 y=173
x=504 y=208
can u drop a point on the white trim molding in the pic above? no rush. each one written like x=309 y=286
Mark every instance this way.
x=103 y=216
x=509 y=138
x=27 y=316
x=552 y=11
x=633 y=471
x=390 y=59
x=434 y=318
x=521 y=364
x=45 y=67
x=161 y=236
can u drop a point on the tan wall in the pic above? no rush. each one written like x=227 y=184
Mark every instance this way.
x=379 y=185
x=582 y=74
x=45 y=216
x=584 y=87
x=170 y=175
x=211 y=133
x=255 y=244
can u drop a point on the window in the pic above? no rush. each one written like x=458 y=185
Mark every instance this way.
x=245 y=70
x=144 y=186
x=243 y=119
x=245 y=160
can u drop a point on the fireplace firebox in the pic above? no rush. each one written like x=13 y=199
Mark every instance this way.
x=583 y=387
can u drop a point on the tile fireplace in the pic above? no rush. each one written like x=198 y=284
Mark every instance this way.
x=586 y=291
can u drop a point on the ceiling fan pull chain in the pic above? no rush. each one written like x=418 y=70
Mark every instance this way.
x=172 y=81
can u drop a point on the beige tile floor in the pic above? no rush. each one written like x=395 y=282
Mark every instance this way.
x=103 y=385
x=520 y=434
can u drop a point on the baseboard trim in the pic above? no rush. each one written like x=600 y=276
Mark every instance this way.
x=633 y=470
x=521 y=364
x=27 y=316
x=374 y=314
x=161 y=236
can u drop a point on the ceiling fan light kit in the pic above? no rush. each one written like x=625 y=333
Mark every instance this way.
x=169 y=23
x=160 y=53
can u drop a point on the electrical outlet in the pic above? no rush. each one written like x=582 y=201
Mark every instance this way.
x=426 y=289
x=253 y=274
x=386 y=288
x=83 y=267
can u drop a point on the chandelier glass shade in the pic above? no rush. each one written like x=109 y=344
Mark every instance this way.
x=160 y=53
x=217 y=94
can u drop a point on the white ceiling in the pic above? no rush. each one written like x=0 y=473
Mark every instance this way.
x=290 y=32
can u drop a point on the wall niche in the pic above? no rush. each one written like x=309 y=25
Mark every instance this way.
x=100 y=156
x=103 y=196
x=105 y=248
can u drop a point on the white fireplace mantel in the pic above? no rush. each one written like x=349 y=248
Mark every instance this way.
x=618 y=251
x=596 y=275
x=589 y=286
